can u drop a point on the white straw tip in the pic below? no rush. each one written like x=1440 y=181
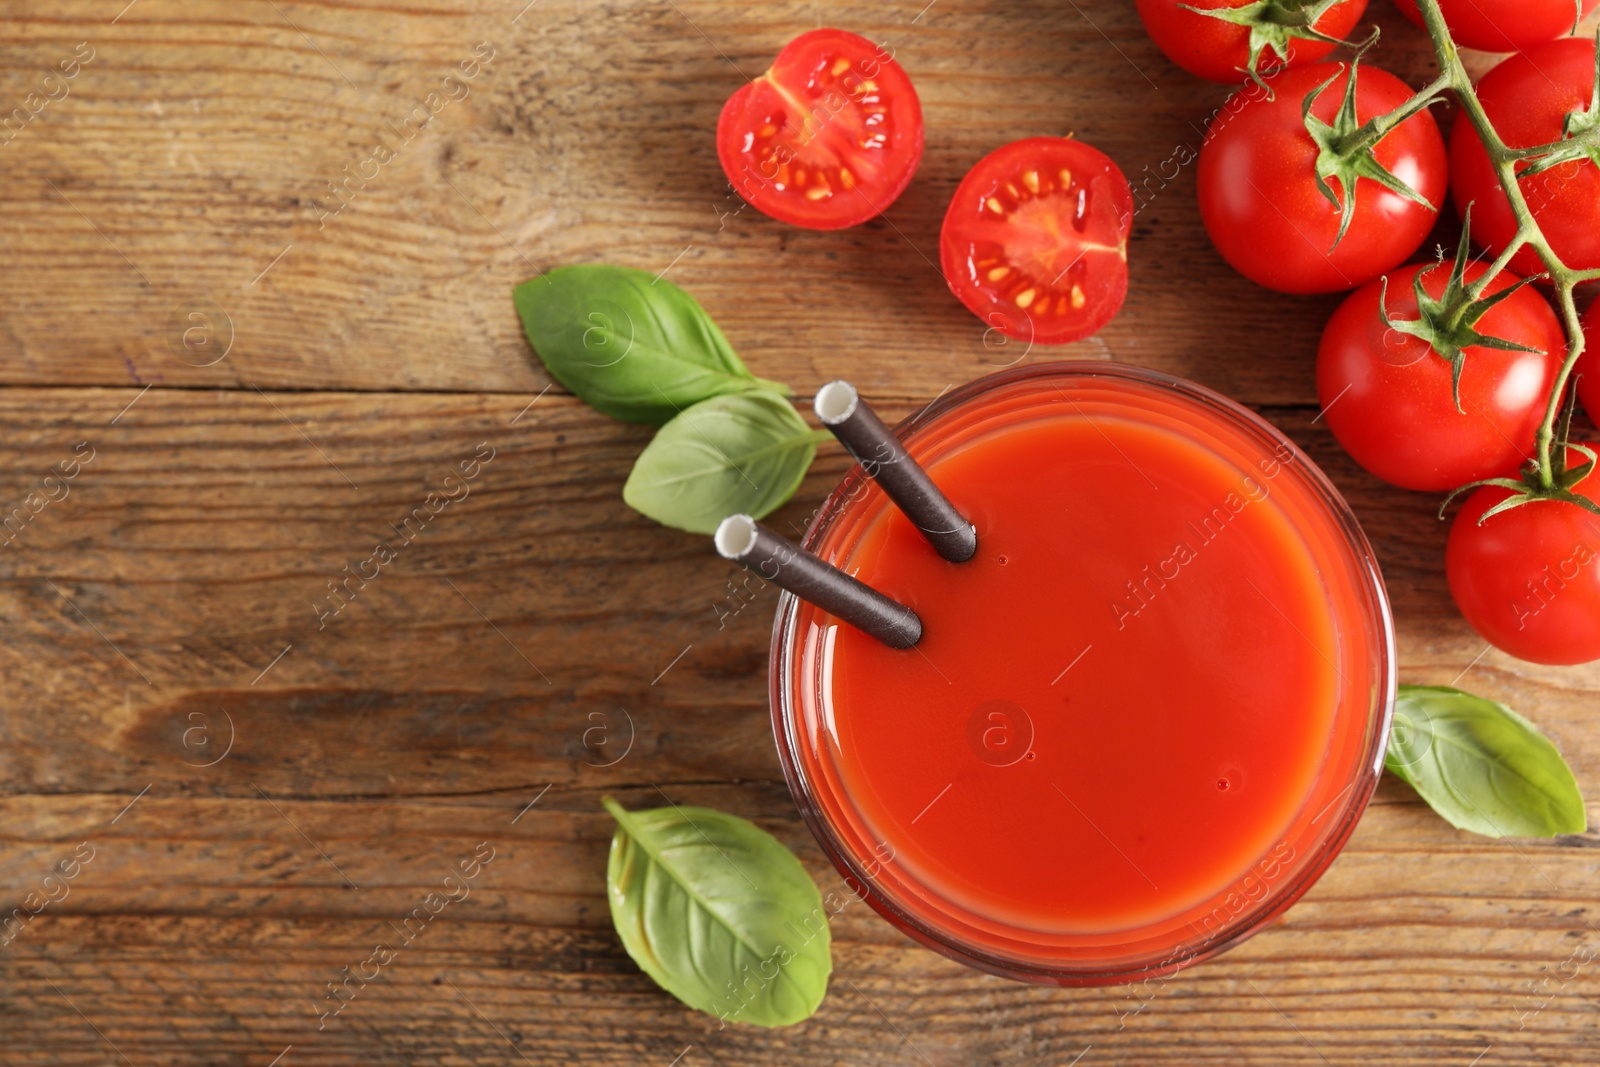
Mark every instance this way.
x=735 y=536
x=836 y=402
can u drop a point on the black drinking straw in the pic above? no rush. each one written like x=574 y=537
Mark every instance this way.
x=785 y=564
x=886 y=460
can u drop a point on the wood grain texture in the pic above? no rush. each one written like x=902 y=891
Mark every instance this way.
x=143 y=608
x=199 y=142
x=268 y=789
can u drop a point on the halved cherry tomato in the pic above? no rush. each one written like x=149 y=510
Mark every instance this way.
x=1503 y=25
x=1219 y=51
x=827 y=137
x=1528 y=99
x=1035 y=241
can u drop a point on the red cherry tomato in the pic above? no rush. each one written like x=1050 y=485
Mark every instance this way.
x=827 y=137
x=1387 y=397
x=1258 y=193
x=1503 y=25
x=1035 y=241
x=1528 y=579
x=1220 y=51
x=1588 y=369
x=1527 y=98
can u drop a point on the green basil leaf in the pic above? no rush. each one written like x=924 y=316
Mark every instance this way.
x=1481 y=766
x=631 y=345
x=741 y=453
x=719 y=913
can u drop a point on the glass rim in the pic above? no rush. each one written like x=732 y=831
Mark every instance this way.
x=1306 y=870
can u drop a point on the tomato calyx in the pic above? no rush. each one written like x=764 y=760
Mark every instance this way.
x=1580 y=133
x=1273 y=24
x=1533 y=484
x=1345 y=146
x=1447 y=323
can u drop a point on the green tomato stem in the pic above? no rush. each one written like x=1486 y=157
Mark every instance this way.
x=1377 y=128
x=1563 y=279
x=1586 y=138
x=1476 y=289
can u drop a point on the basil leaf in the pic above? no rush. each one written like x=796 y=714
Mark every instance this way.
x=720 y=914
x=631 y=345
x=743 y=453
x=1481 y=766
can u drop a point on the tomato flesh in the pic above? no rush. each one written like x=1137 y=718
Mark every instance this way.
x=1259 y=198
x=1528 y=98
x=1503 y=25
x=1386 y=395
x=1218 y=51
x=1528 y=579
x=1588 y=369
x=1035 y=241
x=828 y=137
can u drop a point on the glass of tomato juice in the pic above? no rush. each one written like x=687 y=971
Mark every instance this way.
x=1141 y=721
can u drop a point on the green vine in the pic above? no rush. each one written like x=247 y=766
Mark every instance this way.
x=1547 y=476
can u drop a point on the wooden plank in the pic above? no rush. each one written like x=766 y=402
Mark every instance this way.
x=267 y=789
x=188 y=171
x=185 y=966
x=373 y=756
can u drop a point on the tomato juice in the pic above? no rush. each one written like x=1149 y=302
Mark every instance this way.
x=1141 y=720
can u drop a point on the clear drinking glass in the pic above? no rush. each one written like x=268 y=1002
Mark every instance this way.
x=874 y=851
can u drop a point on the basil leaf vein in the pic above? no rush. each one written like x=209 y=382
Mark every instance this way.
x=740 y=453
x=718 y=913
x=1481 y=766
x=631 y=345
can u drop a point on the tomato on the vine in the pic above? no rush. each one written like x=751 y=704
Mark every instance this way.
x=1218 y=50
x=1259 y=197
x=1387 y=395
x=1528 y=579
x=1528 y=99
x=1503 y=25
x=828 y=137
x=1035 y=242
x=1588 y=369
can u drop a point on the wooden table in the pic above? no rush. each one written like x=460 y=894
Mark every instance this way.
x=265 y=788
